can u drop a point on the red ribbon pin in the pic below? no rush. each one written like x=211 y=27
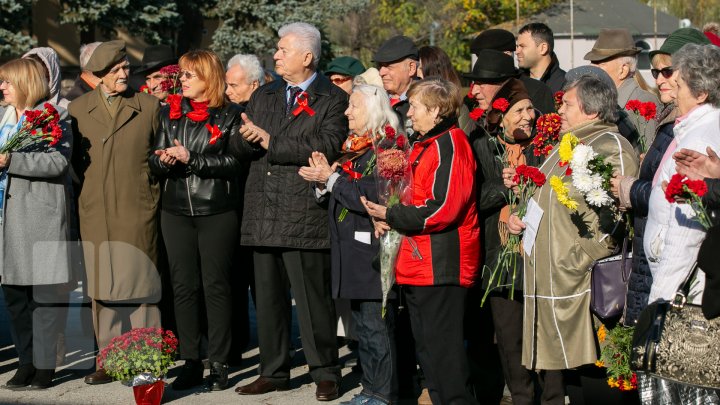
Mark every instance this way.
x=302 y=102
x=348 y=168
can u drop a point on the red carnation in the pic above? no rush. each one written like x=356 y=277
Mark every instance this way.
x=389 y=132
x=476 y=113
x=170 y=70
x=633 y=105
x=501 y=104
x=648 y=110
x=145 y=89
x=470 y=95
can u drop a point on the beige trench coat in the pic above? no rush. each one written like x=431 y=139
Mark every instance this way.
x=119 y=198
x=557 y=328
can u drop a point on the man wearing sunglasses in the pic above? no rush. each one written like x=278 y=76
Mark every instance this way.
x=342 y=70
x=616 y=54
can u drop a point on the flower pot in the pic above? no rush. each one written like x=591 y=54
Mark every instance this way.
x=149 y=394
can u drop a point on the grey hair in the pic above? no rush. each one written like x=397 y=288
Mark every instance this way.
x=631 y=61
x=250 y=64
x=379 y=112
x=308 y=35
x=86 y=52
x=595 y=97
x=699 y=67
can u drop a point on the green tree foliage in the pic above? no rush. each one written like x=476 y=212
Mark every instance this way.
x=250 y=26
x=153 y=20
x=699 y=12
x=14 y=17
x=456 y=21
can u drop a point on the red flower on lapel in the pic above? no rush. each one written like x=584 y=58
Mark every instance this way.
x=215 y=133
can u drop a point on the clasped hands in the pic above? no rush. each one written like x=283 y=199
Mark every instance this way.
x=318 y=169
x=170 y=156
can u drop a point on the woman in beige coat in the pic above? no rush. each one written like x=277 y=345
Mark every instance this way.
x=558 y=328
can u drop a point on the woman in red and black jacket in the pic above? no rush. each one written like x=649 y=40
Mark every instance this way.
x=440 y=255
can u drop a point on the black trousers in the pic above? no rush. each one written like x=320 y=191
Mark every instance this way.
x=436 y=314
x=37 y=315
x=307 y=273
x=242 y=279
x=200 y=253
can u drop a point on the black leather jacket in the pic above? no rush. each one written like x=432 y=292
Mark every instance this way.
x=208 y=183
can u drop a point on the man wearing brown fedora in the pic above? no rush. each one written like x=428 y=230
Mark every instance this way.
x=616 y=54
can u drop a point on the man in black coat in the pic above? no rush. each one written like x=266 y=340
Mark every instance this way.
x=397 y=62
x=504 y=41
x=285 y=121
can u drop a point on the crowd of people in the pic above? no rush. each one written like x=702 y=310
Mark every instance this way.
x=168 y=202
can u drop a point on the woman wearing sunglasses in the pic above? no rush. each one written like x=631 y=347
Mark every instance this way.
x=635 y=193
x=199 y=220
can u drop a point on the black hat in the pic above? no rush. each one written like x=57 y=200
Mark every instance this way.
x=106 y=55
x=492 y=66
x=396 y=48
x=156 y=57
x=497 y=39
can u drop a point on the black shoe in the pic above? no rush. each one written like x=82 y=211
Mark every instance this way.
x=42 y=380
x=218 y=378
x=191 y=375
x=22 y=378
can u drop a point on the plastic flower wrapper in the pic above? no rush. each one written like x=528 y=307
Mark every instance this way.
x=394 y=177
x=681 y=189
x=140 y=356
x=39 y=131
x=528 y=179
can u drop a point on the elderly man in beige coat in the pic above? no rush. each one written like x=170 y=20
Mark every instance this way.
x=558 y=327
x=118 y=200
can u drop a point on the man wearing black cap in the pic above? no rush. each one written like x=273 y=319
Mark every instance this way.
x=504 y=41
x=397 y=61
x=154 y=59
x=536 y=57
x=118 y=200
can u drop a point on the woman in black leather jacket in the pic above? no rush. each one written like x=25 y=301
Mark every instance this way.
x=199 y=221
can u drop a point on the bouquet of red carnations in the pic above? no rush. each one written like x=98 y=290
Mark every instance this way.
x=140 y=356
x=393 y=177
x=681 y=189
x=646 y=111
x=39 y=131
x=528 y=179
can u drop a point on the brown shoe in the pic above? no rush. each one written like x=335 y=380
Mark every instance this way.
x=260 y=386
x=326 y=391
x=98 y=377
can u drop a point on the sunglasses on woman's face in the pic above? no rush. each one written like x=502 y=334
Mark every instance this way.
x=666 y=72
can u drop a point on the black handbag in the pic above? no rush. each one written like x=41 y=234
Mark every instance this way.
x=609 y=284
x=674 y=341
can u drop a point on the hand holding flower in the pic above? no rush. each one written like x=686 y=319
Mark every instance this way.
x=509 y=181
x=515 y=225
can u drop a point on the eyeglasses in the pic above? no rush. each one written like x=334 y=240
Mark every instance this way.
x=340 y=80
x=187 y=74
x=666 y=72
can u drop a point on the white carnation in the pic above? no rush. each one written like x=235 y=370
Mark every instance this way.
x=582 y=155
x=598 y=197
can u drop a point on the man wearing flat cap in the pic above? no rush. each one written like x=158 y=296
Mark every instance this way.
x=118 y=199
x=504 y=41
x=342 y=70
x=154 y=59
x=616 y=54
x=397 y=60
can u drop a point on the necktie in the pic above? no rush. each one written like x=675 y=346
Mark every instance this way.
x=294 y=91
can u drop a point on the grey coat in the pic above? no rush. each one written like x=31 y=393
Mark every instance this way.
x=35 y=220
